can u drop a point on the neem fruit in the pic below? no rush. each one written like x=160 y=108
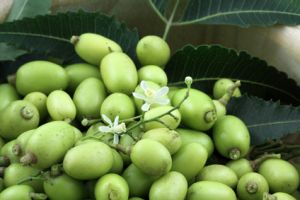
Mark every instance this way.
x=8 y=94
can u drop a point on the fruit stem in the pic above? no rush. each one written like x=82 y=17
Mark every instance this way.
x=229 y=93
x=17 y=150
x=210 y=116
x=74 y=39
x=89 y=122
x=28 y=158
x=251 y=187
x=56 y=170
x=38 y=176
x=37 y=196
x=257 y=162
x=234 y=153
x=26 y=113
x=4 y=161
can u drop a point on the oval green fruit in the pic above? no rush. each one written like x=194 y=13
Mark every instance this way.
x=79 y=72
x=39 y=100
x=21 y=141
x=221 y=86
x=153 y=50
x=240 y=166
x=171 y=186
x=231 y=137
x=88 y=98
x=111 y=187
x=20 y=192
x=283 y=196
x=92 y=47
x=151 y=157
x=18 y=117
x=7 y=151
x=252 y=186
x=154 y=74
x=8 y=94
x=119 y=73
x=197 y=117
x=210 y=190
x=88 y=160
x=189 y=160
x=41 y=76
x=117 y=166
x=281 y=175
x=218 y=173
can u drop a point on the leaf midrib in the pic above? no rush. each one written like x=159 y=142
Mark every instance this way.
x=274 y=123
x=36 y=35
x=220 y=14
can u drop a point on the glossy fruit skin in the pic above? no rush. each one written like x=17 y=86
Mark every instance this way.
x=7 y=150
x=79 y=72
x=154 y=74
x=197 y=117
x=283 y=196
x=16 y=172
x=171 y=186
x=151 y=157
x=119 y=73
x=117 y=166
x=221 y=86
x=93 y=48
x=118 y=104
x=240 y=166
x=111 y=186
x=153 y=50
x=189 y=136
x=139 y=183
x=220 y=109
x=49 y=143
x=252 y=181
x=88 y=98
x=195 y=155
x=63 y=187
x=20 y=192
x=18 y=117
x=41 y=76
x=88 y=160
x=218 y=173
x=60 y=106
x=230 y=133
x=281 y=175
x=169 y=138
x=167 y=119
x=210 y=190
x=8 y=94
x=39 y=100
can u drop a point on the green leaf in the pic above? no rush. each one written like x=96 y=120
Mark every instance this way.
x=28 y=8
x=265 y=119
x=50 y=34
x=10 y=53
x=242 y=13
x=206 y=64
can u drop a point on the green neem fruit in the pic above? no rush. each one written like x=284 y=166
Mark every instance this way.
x=153 y=73
x=220 y=109
x=210 y=190
x=151 y=157
x=39 y=100
x=79 y=72
x=240 y=166
x=194 y=116
x=126 y=141
x=77 y=134
x=17 y=172
x=173 y=91
x=231 y=137
x=172 y=122
x=88 y=160
x=119 y=73
x=111 y=186
x=88 y=98
x=171 y=186
x=218 y=173
x=63 y=187
x=153 y=50
x=20 y=192
x=92 y=47
x=41 y=76
x=18 y=117
x=139 y=183
x=283 y=196
x=221 y=86
x=48 y=145
x=7 y=152
x=117 y=166
x=118 y=104
x=60 y=106
x=8 y=94
x=169 y=138
x=281 y=175
x=21 y=141
x=252 y=186
x=189 y=136
x=189 y=160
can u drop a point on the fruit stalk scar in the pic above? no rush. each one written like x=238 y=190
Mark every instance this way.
x=210 y=116
x=26 y=113
x=28 y=158
x=234 y=153
x=251 y=187
x=74 y=39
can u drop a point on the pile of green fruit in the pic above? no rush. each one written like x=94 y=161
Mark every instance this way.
x=120 y=133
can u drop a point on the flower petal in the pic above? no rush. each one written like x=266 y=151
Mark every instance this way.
x=139 y=96
x=106 y=119
x=145 y=107
x=162 y=101
x=116 y=139
x=116 y=121
x=104 y=129
x=144 y=86
x=162 y=91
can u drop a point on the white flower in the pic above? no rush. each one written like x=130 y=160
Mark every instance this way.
x=114 y=128
x=151 y=96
